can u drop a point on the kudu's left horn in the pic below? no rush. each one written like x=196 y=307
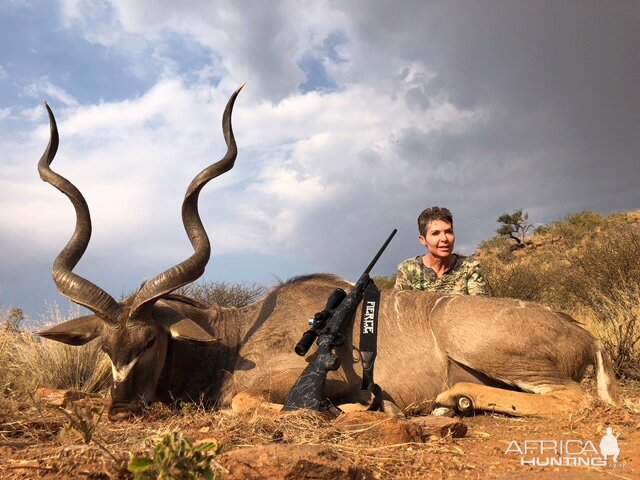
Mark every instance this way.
x=192 y=268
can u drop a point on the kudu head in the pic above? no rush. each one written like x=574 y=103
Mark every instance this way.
x=134 y=333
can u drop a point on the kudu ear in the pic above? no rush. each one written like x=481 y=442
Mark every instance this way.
x=75 y=332
x=180 y=326
x=187 y=330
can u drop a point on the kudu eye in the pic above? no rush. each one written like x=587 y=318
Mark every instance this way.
x=105 y=349
x=150 y=343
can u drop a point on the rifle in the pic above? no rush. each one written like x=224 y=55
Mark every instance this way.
x=326 y=326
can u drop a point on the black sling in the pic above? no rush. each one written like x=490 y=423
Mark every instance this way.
x=369 y=343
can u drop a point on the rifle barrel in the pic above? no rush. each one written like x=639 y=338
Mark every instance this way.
x=384 y=245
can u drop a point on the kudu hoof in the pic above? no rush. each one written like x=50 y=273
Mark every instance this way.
x=123 y=411
x=464 y=405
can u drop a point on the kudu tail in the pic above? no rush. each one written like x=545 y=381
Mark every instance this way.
x=605 y=376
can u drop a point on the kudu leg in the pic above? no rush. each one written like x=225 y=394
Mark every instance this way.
x=271 y=393
x=556 y=399
x=268 y=393
x=247 y=402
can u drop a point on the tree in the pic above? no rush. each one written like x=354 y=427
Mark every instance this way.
x=515 y=226
x=13 y=319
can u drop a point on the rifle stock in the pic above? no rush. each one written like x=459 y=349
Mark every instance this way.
x=308 y=391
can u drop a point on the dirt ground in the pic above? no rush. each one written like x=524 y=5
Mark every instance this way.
x=38 y=440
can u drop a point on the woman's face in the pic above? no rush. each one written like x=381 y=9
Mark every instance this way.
x=439 y=238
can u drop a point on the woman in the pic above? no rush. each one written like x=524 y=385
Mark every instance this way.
x=440 y=270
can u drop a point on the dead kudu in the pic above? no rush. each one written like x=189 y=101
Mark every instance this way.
x=504 y=355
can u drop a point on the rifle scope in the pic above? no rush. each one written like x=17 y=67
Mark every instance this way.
x=308 y=337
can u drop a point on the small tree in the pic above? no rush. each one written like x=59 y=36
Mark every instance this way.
x=14 y=318
x=515 y=226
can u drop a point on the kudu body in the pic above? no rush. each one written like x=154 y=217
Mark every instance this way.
x=505 y=355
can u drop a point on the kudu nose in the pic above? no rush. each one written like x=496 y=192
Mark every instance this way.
x=124 y=410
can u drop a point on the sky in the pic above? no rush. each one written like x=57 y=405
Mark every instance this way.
x=356 y=115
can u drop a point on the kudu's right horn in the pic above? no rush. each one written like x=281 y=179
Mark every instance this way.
x=71 y=285
x=87 y=294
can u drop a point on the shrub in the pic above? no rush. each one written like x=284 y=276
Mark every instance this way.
x=13 y=319
x=600 y=268
x=385 y=283
x=576 y=226
x=517 y=281
x=224 y=294
x=496 y=248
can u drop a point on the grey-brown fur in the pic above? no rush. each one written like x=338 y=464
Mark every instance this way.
x=424 y=340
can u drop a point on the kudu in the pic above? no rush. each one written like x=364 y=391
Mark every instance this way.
x=504 y=355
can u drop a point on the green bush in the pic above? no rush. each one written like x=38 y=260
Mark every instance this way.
x=176 y=456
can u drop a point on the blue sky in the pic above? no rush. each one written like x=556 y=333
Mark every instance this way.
x=355 y=117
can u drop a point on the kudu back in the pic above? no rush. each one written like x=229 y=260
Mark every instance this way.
x=504 y=355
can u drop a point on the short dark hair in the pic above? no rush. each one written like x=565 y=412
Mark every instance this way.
x=430 y=214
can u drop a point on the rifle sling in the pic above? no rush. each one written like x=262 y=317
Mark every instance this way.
x=369 y=342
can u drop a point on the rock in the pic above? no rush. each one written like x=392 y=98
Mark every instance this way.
x=441 y=426
x=59 y=398
x=443 y=412
x=282 y=461
x=380 y=429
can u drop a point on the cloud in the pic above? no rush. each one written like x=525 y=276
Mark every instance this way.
x=44 y=88
x=301 y=155
x=266 y=44
x=352 y=121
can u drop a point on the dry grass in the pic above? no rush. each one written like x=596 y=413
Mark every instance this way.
x=28 y=362
x=616 y=322
x=43 y=438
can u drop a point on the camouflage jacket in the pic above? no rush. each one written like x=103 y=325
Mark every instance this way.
x=464 y=277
